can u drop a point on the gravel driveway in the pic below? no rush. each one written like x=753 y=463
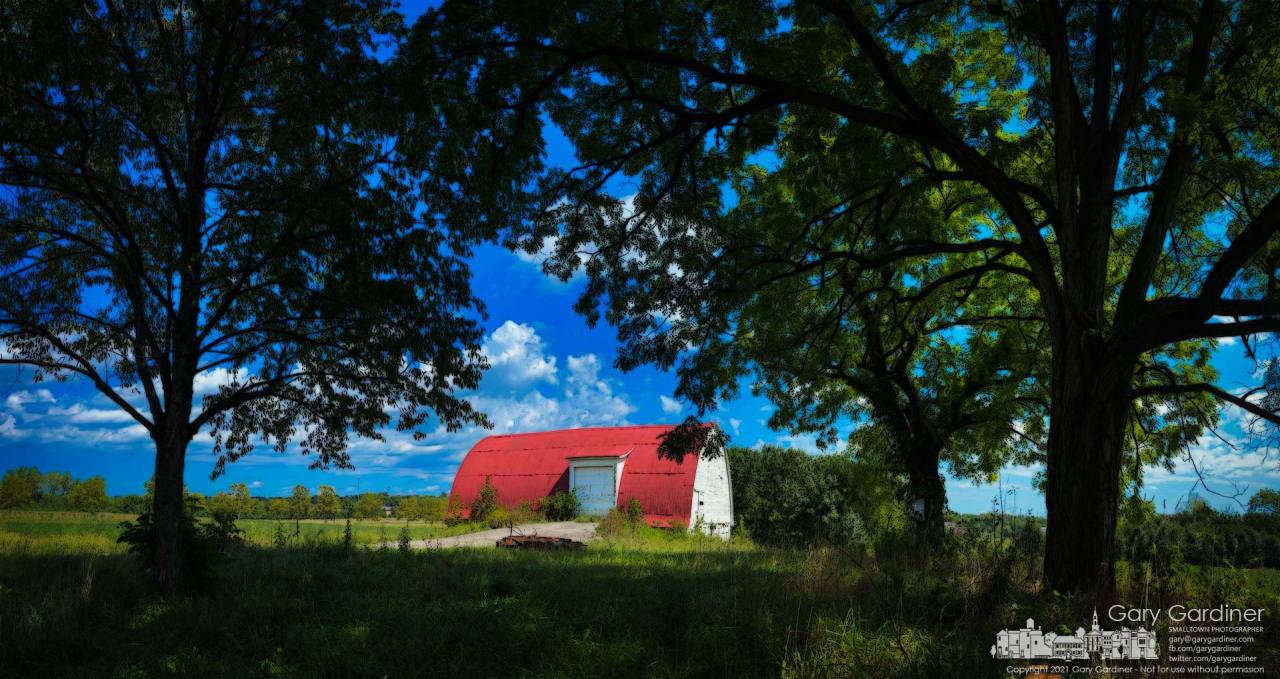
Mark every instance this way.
x=574 y=530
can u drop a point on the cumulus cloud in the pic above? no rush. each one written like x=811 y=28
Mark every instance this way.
x=513 y=404
x=670 y=406
x=18 y=400
x=209 y=381
x=525 y=391
x=517 y=357
x=735 y=424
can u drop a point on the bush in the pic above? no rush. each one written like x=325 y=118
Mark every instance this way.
x=562 y=506
x=635 y=512
x=454 y=516
x=790 y=499
x=499 y=517
x=202 y=544
x=614 y=524
x=486 y=501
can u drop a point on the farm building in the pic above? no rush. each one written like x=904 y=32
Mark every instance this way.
x=607 y=466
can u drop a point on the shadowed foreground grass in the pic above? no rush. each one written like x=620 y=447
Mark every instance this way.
x=643 y=604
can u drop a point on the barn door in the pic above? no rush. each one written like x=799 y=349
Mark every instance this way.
x=595 y=487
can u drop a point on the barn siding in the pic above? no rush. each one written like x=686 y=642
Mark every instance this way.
x=528 y=467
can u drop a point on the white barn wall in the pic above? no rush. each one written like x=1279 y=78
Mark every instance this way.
x=712 y=496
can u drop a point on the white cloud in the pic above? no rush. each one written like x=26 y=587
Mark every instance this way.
x=670 y=405
x=9 y=427
x=806 y=442
x=516 y=357
x=79 y=414
x=18 y=400
x=735 y=424
x=590 y=397
x=210 y=381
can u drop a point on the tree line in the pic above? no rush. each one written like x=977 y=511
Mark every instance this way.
x=29 y=488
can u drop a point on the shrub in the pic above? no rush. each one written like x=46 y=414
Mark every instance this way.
x=562 y=506
x=222 y=531
x=404 y=540
x=791 y=499
x=498 y=517
x=454 y=516
x=635 y=512
x=614 y=524
x=201 y=544
x=486 y=501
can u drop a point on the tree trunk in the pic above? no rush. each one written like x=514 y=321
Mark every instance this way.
x=1089 y=411
x=928 y=494
x=169 y=568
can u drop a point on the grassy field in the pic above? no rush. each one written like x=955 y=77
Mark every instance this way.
x=643 y=603
x=78 y=533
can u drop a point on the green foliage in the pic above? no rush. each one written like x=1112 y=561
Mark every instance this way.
x=404 y=541
x=328 y=505
x=562 y=506
x=368 y=506
x=89 y=495
x=613 y=524
x=498 y=517
x=300 y=503
x=1201 y=536
x=56 y=484
x=485 y=502
x=224 y=507
x=782 y=496
x=407 y=508
x=201 y=543
x=1265 y=501
x=635 y=511
x=279 y=508
x=20 y=487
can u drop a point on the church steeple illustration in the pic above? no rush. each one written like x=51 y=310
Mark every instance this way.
x=1031 y=643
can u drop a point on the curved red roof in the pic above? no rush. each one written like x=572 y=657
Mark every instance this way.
x=529 y=467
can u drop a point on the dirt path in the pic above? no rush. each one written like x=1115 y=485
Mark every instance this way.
x=486 y=538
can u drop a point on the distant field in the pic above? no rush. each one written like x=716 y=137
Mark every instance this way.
x=75 y=532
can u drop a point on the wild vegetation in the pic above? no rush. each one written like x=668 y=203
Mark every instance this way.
x=640 y=602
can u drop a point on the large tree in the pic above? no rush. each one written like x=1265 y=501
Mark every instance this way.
x=1127 y=150
x=213 y=213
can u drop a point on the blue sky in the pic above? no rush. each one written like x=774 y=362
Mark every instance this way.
x=548 y=371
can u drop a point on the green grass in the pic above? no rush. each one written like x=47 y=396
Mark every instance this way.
x=74 y=532
x=641 y=603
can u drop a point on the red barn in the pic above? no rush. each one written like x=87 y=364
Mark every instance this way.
x=607 y=466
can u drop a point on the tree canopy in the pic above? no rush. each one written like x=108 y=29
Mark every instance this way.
x=1121 y=156
x=217 y=214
